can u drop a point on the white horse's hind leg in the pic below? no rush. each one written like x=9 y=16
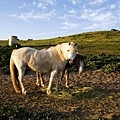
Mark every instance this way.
x=21 y=74
x=50 y=81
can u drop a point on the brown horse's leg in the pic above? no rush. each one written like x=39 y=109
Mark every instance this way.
x=66 y=73
x=42 y=80
x=61 y=75
x=67 y=77
x=39 y=79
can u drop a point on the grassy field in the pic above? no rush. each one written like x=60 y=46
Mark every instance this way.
x=107 y=42
x=93 y=94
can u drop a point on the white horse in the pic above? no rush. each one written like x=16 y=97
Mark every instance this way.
x=52 y=60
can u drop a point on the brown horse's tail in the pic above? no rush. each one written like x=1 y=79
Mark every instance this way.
x=14 y=76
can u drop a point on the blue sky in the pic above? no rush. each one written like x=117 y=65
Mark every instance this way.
x=39 y=19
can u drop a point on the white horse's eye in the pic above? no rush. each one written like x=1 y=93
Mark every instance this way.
x=68 y=50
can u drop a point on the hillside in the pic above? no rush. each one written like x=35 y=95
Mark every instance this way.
x=107 y=42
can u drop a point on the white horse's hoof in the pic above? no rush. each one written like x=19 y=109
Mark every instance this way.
x=43 y=85
x=38 y=84
x=80 y=71
x=24 y=92
x=18 y=91
x=67 y=86
x=48 y=92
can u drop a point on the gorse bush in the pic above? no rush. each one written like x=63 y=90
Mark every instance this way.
x=109 y=68
x=117 y=67
x=5 y=53
x=90 y=65
x=104 y=62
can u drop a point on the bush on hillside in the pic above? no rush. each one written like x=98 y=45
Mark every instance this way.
x=5 y=53
x=106 y=63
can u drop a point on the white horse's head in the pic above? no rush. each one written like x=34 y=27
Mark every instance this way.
x=69 y=50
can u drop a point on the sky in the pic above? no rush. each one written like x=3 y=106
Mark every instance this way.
x=42 y=19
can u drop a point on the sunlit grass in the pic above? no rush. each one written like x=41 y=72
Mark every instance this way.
x=88 y=43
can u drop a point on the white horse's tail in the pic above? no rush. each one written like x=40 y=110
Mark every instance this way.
x=14 y=76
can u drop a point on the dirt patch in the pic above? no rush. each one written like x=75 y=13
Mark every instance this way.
x=91 y=95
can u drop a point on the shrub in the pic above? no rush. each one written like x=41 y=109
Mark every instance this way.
x=91 y=65
x=5 y=53
x=109 y=68
x=108 y=63
x=118 y=67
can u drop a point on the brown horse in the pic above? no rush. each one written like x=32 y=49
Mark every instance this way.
x=78 y=61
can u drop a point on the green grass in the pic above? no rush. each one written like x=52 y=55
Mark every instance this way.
x=107 y=42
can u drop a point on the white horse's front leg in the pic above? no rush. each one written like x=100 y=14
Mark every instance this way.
x=21 y=74
x=50 y=81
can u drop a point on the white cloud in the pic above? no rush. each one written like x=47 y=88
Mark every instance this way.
x=45 y=3
x=96 y=15
x=42 y=6
x=96 y=2
x=68 y=25
x=112 y=6
x=73 y=1
x=22 y=6
x=103 y=17
x=91 y=27
x=98 y=19
x=37 y=15
x=88 y=13
x=72 y=11
x=67 y=14
x=100 y=26
x=51 y=2
x=34 y=3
